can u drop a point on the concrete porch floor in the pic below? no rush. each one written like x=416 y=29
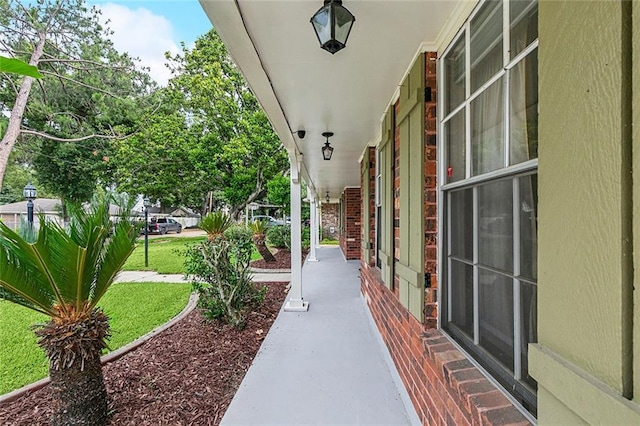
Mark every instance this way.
x=327 y=366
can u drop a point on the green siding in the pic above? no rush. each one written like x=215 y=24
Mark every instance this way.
x=410 y=121
x=386 y=220
x=366 y=242
x=584 y=358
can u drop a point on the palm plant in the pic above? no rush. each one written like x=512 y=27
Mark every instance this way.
x=259 y=229
x=215 y=223
x=63 y=274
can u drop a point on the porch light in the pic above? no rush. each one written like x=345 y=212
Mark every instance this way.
x=327 y=149
x=332 y=24
x=328 y=198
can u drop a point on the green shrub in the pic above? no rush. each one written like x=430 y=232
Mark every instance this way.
x=279 y=236
x=219 y=272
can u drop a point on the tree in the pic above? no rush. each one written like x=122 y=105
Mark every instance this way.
x=82 y=72
x=237 y=148
x=64 y=275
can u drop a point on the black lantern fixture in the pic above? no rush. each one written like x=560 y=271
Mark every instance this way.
x=30 y=193
x=327 y=149
x=328 y=199
x=147 y=203
x=332 y=24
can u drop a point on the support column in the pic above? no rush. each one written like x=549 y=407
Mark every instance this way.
x=313 y=230
x=295 y=302
x=318 y=224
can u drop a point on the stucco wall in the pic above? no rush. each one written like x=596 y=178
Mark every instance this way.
x=583 y=361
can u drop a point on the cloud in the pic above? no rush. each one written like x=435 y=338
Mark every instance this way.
x=143 y=35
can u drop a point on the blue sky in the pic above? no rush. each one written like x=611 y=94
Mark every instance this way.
x=148 y=28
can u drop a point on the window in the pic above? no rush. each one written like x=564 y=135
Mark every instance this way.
x=489 y=188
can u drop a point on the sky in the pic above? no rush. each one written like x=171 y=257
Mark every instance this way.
x=148 y=28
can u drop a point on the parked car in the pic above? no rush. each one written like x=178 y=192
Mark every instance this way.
x=271 y=221
x=162 y=225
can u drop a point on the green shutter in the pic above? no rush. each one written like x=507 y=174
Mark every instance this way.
x=410 y=120
x=366 y=243
x=385 y=249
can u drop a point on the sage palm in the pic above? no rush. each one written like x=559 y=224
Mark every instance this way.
x=63 y=274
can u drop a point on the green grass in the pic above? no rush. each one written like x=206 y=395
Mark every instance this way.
x=164 y=255
x=330 y=242
x=134 y=310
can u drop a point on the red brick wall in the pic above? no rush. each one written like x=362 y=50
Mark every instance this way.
x=350 y=235
x=430 y=194
x=330 y=220
x=444 y=387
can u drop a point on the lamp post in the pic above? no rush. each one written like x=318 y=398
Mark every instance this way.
x=147 y=204
x=30 y=193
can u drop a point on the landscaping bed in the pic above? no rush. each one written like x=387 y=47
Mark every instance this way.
x=187 y=375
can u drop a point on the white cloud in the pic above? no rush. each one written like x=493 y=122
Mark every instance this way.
x=143 y=35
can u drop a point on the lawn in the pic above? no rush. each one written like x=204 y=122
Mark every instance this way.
x=165 y=255
x=134 y=309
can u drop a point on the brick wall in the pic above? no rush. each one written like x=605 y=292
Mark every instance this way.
x=330 y=217
x=350 y=235
x=430 y=194
x=444 y=387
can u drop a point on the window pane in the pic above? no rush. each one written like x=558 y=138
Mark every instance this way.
x=454 y=76
x=529 y=226
x=461 y=226
x=456 y=152
x=495 y=225
x=461 y=303
x=496 y=315
x=487 y=129
x=529 y=326
x=523 y=109
x=486 y=43
x=523 y=15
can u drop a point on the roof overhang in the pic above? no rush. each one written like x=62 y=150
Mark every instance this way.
x=302 y=87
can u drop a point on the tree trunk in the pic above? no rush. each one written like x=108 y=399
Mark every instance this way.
x=259 y=240
x=79 y=395
x=17 y=112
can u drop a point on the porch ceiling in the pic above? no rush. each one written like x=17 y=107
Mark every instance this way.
x=301 y=86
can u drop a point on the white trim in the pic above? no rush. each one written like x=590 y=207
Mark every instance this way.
x=522 y=55
x=456 y=22
x=495 y=174
x=517 y=335
x=476 y=283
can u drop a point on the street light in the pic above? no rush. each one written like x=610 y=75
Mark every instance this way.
x=147 y=204
x=30 y=193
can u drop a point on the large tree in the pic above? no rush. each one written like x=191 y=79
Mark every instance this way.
x=88 y=90
x=237 y=150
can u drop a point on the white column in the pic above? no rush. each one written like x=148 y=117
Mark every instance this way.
x=313 y=230
x=295 y=303
x=318 y=223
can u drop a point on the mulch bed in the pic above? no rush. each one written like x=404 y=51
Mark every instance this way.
x=283 y=260
x=187 y=375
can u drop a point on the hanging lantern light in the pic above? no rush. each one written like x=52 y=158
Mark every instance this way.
x=332 y=24
x=327 y=149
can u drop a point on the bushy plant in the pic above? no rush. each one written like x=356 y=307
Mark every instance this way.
x=279 y=236
x=215 y=223
x=219 y=271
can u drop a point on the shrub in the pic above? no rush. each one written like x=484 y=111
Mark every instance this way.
x=279 y=236
x=219 y=272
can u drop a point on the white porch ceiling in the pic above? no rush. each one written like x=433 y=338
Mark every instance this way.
x=301 y=86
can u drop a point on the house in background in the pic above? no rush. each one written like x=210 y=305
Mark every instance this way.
x=483 y=159
x=15 y=213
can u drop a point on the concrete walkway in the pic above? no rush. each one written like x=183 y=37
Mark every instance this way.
x=327 y=366
x=152 y=276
